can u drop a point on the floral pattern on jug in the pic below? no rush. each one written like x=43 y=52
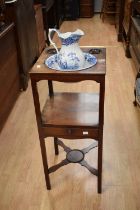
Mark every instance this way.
x=70 y=55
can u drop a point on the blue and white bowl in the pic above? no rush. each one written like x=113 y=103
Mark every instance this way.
x=52 y=62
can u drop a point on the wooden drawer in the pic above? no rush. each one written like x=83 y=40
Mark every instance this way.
x=71 y=133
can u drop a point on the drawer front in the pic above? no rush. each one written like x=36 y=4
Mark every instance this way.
x=71 y=133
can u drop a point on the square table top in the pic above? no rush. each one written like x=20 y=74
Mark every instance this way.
x=98 y=69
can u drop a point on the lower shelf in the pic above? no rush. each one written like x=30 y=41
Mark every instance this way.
x=75 y=109
x=72 y=115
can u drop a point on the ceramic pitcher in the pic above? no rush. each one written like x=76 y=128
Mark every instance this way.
x=70 y=56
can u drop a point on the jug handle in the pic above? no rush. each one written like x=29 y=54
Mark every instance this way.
x=49 y=36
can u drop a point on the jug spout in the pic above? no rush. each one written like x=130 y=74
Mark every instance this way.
x=70 y=38
x=78 y=33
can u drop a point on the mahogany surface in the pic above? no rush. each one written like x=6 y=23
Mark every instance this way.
x=75 y=109
x=9 y=72
x=70 y=115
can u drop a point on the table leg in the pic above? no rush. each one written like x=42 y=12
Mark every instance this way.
x=100 y=151
x=45 y=163
x=56 y=145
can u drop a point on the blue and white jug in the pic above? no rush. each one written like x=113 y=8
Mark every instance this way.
x=70 y=55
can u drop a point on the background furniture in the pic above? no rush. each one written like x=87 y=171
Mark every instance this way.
x=52 y=14
x=126 y=26
x=71 y=9
x=22 y=13
x=136 y=7
x=2 y=8
x=135 y=34
x=59 y=4
x=40 y=27
x=135 y=41
x=79 y=115
x=108 y=8
x=86 y=8
x=137 y=90
x=49 y=17
x=123 y=15
x=9 y=72
x=97 y=6
x=119 y=18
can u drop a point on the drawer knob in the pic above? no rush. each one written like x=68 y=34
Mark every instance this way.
x=85 y=132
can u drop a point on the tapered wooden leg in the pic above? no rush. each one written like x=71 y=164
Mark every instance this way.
x=100 y=151
x=56 y=145
x=45 y=163
x=41 y=136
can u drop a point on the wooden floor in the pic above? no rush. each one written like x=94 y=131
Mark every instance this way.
x=22 y=183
